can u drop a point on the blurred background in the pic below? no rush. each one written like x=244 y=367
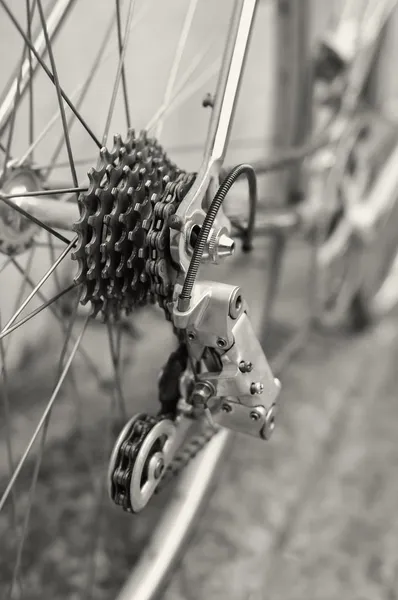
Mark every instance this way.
x=311 y=514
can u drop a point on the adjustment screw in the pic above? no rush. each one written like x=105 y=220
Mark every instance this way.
x=208 y=100
x=191 y=335
x=221 y=343
x=254 y=415
x=158 y=468
x=256 y=388
x=175 y=222
x=227 y=408
x=245 y=366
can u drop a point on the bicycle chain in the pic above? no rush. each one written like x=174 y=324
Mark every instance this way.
x=185 y=455
x=130 y=447
x=127 y=455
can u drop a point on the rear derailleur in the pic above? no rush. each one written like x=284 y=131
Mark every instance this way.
x=219 y=373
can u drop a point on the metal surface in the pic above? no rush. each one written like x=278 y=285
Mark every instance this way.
x=54 y=20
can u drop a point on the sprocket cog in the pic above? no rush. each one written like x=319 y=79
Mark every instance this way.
x=122 y=249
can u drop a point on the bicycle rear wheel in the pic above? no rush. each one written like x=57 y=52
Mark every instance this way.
x=62 y=415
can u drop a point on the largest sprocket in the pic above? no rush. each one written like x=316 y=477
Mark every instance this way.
x=122 y=249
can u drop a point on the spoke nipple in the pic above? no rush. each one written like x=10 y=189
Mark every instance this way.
x=256 y=388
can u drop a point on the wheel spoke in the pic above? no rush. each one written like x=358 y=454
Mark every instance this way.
x=180 y=96
x=39 y=285
x=124 y=82
x=37 y=310
x=115 y=356
x=31 y=104
x=39 y=458
x=5 y=264
x=59 y=95
x=119 y=72
x=46 y=245
x=48 y=192
x=21 y=292
x=60 y=318
x=96 y=529
x=99 y=61
x=8 y=428
x=63 y=164
x=23 y=212
x=43 y=419
x=177 y=60
x=17 y=98
x=46 y=129
x=48 y=72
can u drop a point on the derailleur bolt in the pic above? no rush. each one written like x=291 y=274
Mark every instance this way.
x=254 y=415
x=245 y=366
x=227 y=408
x=202 y=392
x=257 y=388
x=175 y=222
x=221 y=342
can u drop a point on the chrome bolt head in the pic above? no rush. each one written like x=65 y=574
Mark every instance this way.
x=257 y=387
x=254 y=415
x=245 y=366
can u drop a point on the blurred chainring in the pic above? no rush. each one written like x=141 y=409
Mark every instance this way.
x=123 y=234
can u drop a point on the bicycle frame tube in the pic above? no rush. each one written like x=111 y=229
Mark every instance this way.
x=190 y=209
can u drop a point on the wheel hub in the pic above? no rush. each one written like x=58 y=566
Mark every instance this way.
x=17 y=232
